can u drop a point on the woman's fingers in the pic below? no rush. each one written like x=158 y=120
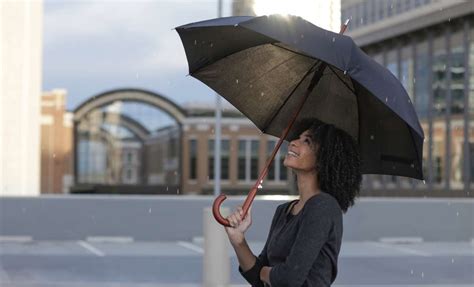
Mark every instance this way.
x=235 y=219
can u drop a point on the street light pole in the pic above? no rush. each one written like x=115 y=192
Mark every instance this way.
x=218 y=132
x=216 y=260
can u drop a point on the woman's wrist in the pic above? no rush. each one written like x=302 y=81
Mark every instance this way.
x=237 y=242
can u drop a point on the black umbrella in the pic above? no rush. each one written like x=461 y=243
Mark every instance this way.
x=269 y=66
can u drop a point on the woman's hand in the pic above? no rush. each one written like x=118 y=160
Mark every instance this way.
x=238 y=226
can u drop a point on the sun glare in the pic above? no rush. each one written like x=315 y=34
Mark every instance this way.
x=323 y=13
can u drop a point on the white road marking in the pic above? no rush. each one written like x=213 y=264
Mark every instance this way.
x=401 y=240
x=190 y=246
x=109 y=239
x=402 y=249
x=18 y=239
x=91 y=248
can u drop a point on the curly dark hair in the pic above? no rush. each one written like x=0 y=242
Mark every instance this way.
x=337 y=161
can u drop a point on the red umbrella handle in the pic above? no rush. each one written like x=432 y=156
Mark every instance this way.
x=248 y=201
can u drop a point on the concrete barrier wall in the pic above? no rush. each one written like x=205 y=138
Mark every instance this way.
x=163 y=218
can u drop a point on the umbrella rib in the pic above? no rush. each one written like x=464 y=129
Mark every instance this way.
x=289 y=95
x=345 y=84
x=292 y=51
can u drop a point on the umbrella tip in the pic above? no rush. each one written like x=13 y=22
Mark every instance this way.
x=347 y=22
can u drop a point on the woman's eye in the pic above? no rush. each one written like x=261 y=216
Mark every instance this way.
x=306 y=141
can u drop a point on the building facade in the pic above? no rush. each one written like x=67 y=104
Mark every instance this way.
x=56 y=143
x=20 y=93
x=429 y=47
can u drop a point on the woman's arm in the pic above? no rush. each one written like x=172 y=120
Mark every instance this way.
x=245 y=256
x=236 y=233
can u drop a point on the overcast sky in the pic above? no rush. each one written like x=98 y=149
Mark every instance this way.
x=95 y=46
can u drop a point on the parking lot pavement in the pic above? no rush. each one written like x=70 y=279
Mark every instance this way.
x=117 y=263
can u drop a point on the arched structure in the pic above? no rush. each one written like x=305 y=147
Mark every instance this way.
x=135 y=95
x=95 y=103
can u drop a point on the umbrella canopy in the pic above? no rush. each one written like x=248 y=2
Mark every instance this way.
x=263 y=66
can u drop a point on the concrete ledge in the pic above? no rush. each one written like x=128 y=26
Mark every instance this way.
x=178 y=218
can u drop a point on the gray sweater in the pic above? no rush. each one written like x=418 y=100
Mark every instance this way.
x=302 y=249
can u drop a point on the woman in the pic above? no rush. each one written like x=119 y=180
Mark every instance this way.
x=305 y=236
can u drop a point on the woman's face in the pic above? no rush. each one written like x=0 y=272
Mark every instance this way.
x=301 y=153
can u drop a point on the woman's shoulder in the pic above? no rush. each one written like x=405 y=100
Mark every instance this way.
x=322 y=202
x=284 y=206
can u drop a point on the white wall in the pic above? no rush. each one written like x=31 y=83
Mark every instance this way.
x=21 y=32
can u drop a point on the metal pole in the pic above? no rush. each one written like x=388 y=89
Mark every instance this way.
x=217 y=131
x=216 y=259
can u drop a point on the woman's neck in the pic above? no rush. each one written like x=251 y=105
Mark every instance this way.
x=308 y=185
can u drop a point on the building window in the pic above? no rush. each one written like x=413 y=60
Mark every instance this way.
x=254 y=144
x=193 y=159
x=439 y=76
x=277 y=171
x=248 y=159
x=422 y=91
x=407 y=70
x=457 y=71
x=225 y=152
x=241 y=162
x=392 y=63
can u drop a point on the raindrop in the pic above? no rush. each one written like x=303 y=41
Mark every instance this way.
x=345 y=72
x=411 y=272
x=236 y=25
x=386 y=99
x=412 y=165
x=166 y=188
x=237 y=81
x=372 y=137
x=262 y=94
x=422 y=275
x=414 y=80
x=452 y=260
x=457 y=213
x=177 y=191
x=211 y=45
x=334 y=39
x=302 y=36
x=149 y=210
x=195 y=42
x=424 y=181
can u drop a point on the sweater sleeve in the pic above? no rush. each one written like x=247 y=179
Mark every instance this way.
x=253 y=274
x=311 y=236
